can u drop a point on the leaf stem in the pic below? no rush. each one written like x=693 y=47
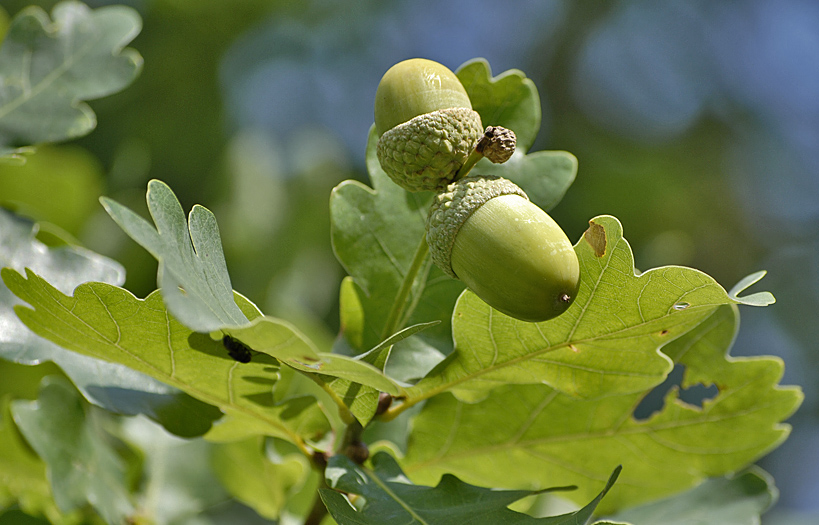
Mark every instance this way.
x=398 y=308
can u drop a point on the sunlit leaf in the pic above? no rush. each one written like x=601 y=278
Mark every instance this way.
x=543 y=437
x=192 y=273
x=247 y=472
x=107 y=322
x=109 y=385
x=282 y=341
x=391 y=498
x=49 y=67
x=511 y=100
x=82 y=463
x=738 y=500
x=607 y=342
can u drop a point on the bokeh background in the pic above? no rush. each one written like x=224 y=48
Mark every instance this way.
x=695 y=122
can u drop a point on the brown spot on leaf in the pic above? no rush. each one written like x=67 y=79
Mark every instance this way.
x=596 y=237
x=574 y=349
x=664 y=332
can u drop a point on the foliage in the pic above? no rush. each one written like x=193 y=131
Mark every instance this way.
x=501 y=409
x=48 y=67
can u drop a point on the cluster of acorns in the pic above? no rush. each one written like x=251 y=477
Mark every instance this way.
x=482 y=230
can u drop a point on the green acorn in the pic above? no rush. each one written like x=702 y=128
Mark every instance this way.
x=425 y=124
x=485 y=232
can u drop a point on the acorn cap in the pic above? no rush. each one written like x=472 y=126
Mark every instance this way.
x=426 y=152
x=452 y=208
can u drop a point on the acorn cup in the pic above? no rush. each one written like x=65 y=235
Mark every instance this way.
x=425 y=124
x=510 y=253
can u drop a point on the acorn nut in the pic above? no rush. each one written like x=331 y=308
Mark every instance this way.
x=425 y=124
x=510 y=253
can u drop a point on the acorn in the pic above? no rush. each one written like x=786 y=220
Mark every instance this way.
x=510 y=253
x=425 y=124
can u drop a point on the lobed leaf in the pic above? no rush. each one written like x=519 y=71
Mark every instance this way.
x=608 y=342
x=737 y=500
x=542 y=436
x=389 y=497
x=22 y=473
x=246 y=471
x=109 y=385
x=107 y=322
x=48 y=68
x=511 y=100
x=192 y=273
x=83 y=466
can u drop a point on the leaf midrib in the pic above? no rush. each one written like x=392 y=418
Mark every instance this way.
x=47 y=80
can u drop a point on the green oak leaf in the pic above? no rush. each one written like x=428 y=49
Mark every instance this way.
x=282 y=341
x=542 y=436
x=247 y=472
x=736 y=500
x=82 y=462
x=109 y=385
x=362 y=400
x=48 y=68
x=375 y=232
x=511 y=100
x=391 y=498
x=22 y=473
x=607 y=342
x=192 y=273
x=177 y=483
x=108 y=322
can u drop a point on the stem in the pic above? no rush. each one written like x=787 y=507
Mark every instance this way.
x=399 y=304
x=319 y=510
x=343 y=410
x=470 y=162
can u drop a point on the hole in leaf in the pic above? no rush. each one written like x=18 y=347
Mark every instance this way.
x=681 y=306
x=654 y=401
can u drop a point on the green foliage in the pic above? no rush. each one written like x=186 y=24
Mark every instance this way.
x=738 y=500
x=109 y=323
x=114 y=387
x=48 y=67
x=390 y=497
x=542 y=435
x=510 y=408
x=82 y=463
x=511 y=100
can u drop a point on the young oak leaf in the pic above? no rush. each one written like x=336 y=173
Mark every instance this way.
x=511 y=100
x=390 y=497
x=542 y=436
x=192 y=273
x=47 y=70
x=109 y=385
x=108 y=322
x=607 y=342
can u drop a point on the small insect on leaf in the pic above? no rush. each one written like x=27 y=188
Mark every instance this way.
x=236 y=349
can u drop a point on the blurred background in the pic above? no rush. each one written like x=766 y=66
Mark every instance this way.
x=696 y=123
